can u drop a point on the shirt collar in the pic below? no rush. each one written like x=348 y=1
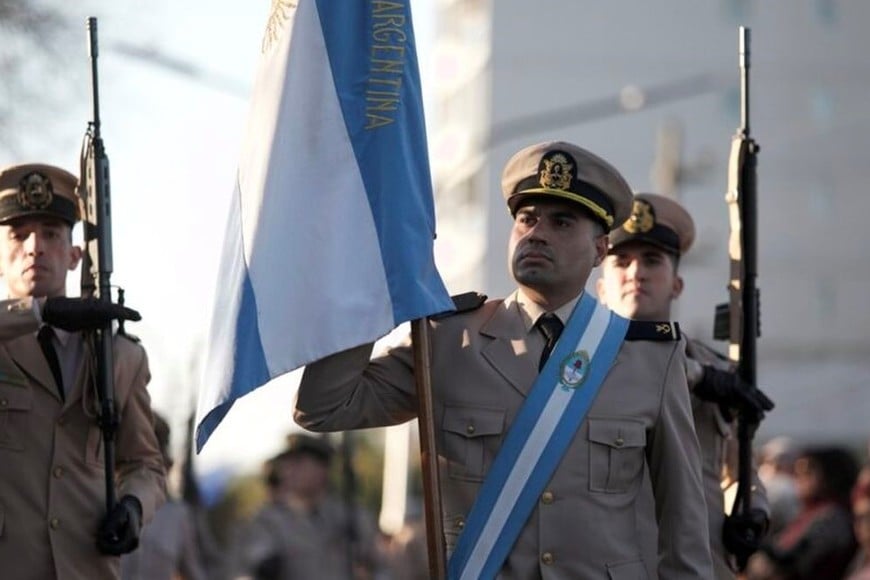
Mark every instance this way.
x=532 y=311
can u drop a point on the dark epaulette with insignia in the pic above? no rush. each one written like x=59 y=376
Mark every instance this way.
x=646 y=330
x=465 y=302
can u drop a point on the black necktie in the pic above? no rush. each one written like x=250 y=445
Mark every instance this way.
x=45 y=337
x=551 y=327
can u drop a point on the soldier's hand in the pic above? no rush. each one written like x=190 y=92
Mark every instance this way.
x=75 y=314
x=119 y=531
x=742 y=534
x=731 y=392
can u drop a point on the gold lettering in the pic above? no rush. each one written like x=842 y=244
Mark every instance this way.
x=387 y=34
x=380 y=65
x=397 y=20
x=396 y=82
x=376 y=121
x=386 y=62
x=385 y=6
x=389 y=49
x=384 y=104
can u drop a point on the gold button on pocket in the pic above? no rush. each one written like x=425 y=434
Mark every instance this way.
x=469 y=429
x=547 y=497
x=619 y=442
x=54 y=523
x=4 y=402
x=547 y=558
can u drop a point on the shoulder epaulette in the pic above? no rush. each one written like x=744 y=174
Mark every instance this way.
x=648 y=330
x=128 y=336
x=464 y=302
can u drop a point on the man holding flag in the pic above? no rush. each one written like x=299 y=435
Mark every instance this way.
x=329 y=247
x=547 y=405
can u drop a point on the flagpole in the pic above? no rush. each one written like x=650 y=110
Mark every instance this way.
x=428 y=452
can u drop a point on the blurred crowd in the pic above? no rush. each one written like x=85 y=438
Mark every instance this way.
x=296 y=523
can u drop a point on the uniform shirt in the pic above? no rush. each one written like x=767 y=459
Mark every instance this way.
x=484 y=363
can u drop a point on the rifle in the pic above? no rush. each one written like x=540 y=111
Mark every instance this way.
x=738 y=320
x=97 y=268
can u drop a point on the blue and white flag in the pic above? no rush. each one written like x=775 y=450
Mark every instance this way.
x=330 y=234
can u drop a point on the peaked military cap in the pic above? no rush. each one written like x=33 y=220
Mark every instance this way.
x=657 y=220
x=36 y=189
x=561 y=170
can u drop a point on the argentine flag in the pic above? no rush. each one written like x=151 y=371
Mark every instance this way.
x=330 y=234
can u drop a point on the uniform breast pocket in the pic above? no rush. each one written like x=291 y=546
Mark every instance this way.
x=15 y=408
x=472 y=436
x=616 y=454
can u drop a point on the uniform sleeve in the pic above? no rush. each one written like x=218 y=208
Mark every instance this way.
x=18 y=317
x=139 y=464
x=348 y=391
x=675 y=471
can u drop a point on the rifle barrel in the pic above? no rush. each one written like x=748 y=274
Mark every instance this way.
x=744 y=41
x=93 y=52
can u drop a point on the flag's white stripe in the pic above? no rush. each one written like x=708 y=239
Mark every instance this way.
x=308 y=172
x=531 y=452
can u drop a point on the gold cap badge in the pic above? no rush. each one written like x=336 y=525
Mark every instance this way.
x=642 y=219
x=35 y=191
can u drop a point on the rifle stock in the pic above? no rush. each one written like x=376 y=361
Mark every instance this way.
x=97 y=267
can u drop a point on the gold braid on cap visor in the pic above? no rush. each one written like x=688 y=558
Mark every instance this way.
x=596 y=209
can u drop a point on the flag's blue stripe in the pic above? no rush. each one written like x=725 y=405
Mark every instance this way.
x=392 y=158
x=517 y=435
x=562 y=437
x=249 y=368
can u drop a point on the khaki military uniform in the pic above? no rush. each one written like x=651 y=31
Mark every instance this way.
x=307 y=545
x=484 y=363
x=52 y=487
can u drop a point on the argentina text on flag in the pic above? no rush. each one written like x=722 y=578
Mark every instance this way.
x=329 y=243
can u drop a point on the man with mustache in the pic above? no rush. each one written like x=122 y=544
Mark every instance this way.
x=640 y=280
x=53 y=520
x=547 y=408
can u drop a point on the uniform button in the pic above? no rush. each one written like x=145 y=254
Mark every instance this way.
x=547 y=497
x=54 y=523
x=460 y=523
x=619 y=442
x=547 y=558
x=469 y=429
x=3 y=402
x=58 y=472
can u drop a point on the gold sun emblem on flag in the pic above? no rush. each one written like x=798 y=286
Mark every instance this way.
x=281 y=11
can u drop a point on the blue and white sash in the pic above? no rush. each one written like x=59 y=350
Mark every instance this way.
x=538 y=438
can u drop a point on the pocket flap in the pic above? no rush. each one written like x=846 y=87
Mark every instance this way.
x=473 y=421
x=15 y=398
x=617 y=433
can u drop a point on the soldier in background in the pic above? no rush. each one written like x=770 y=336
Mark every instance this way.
x=640 y=280
x=168 y=549
x=302 y=531
x=53 y=520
